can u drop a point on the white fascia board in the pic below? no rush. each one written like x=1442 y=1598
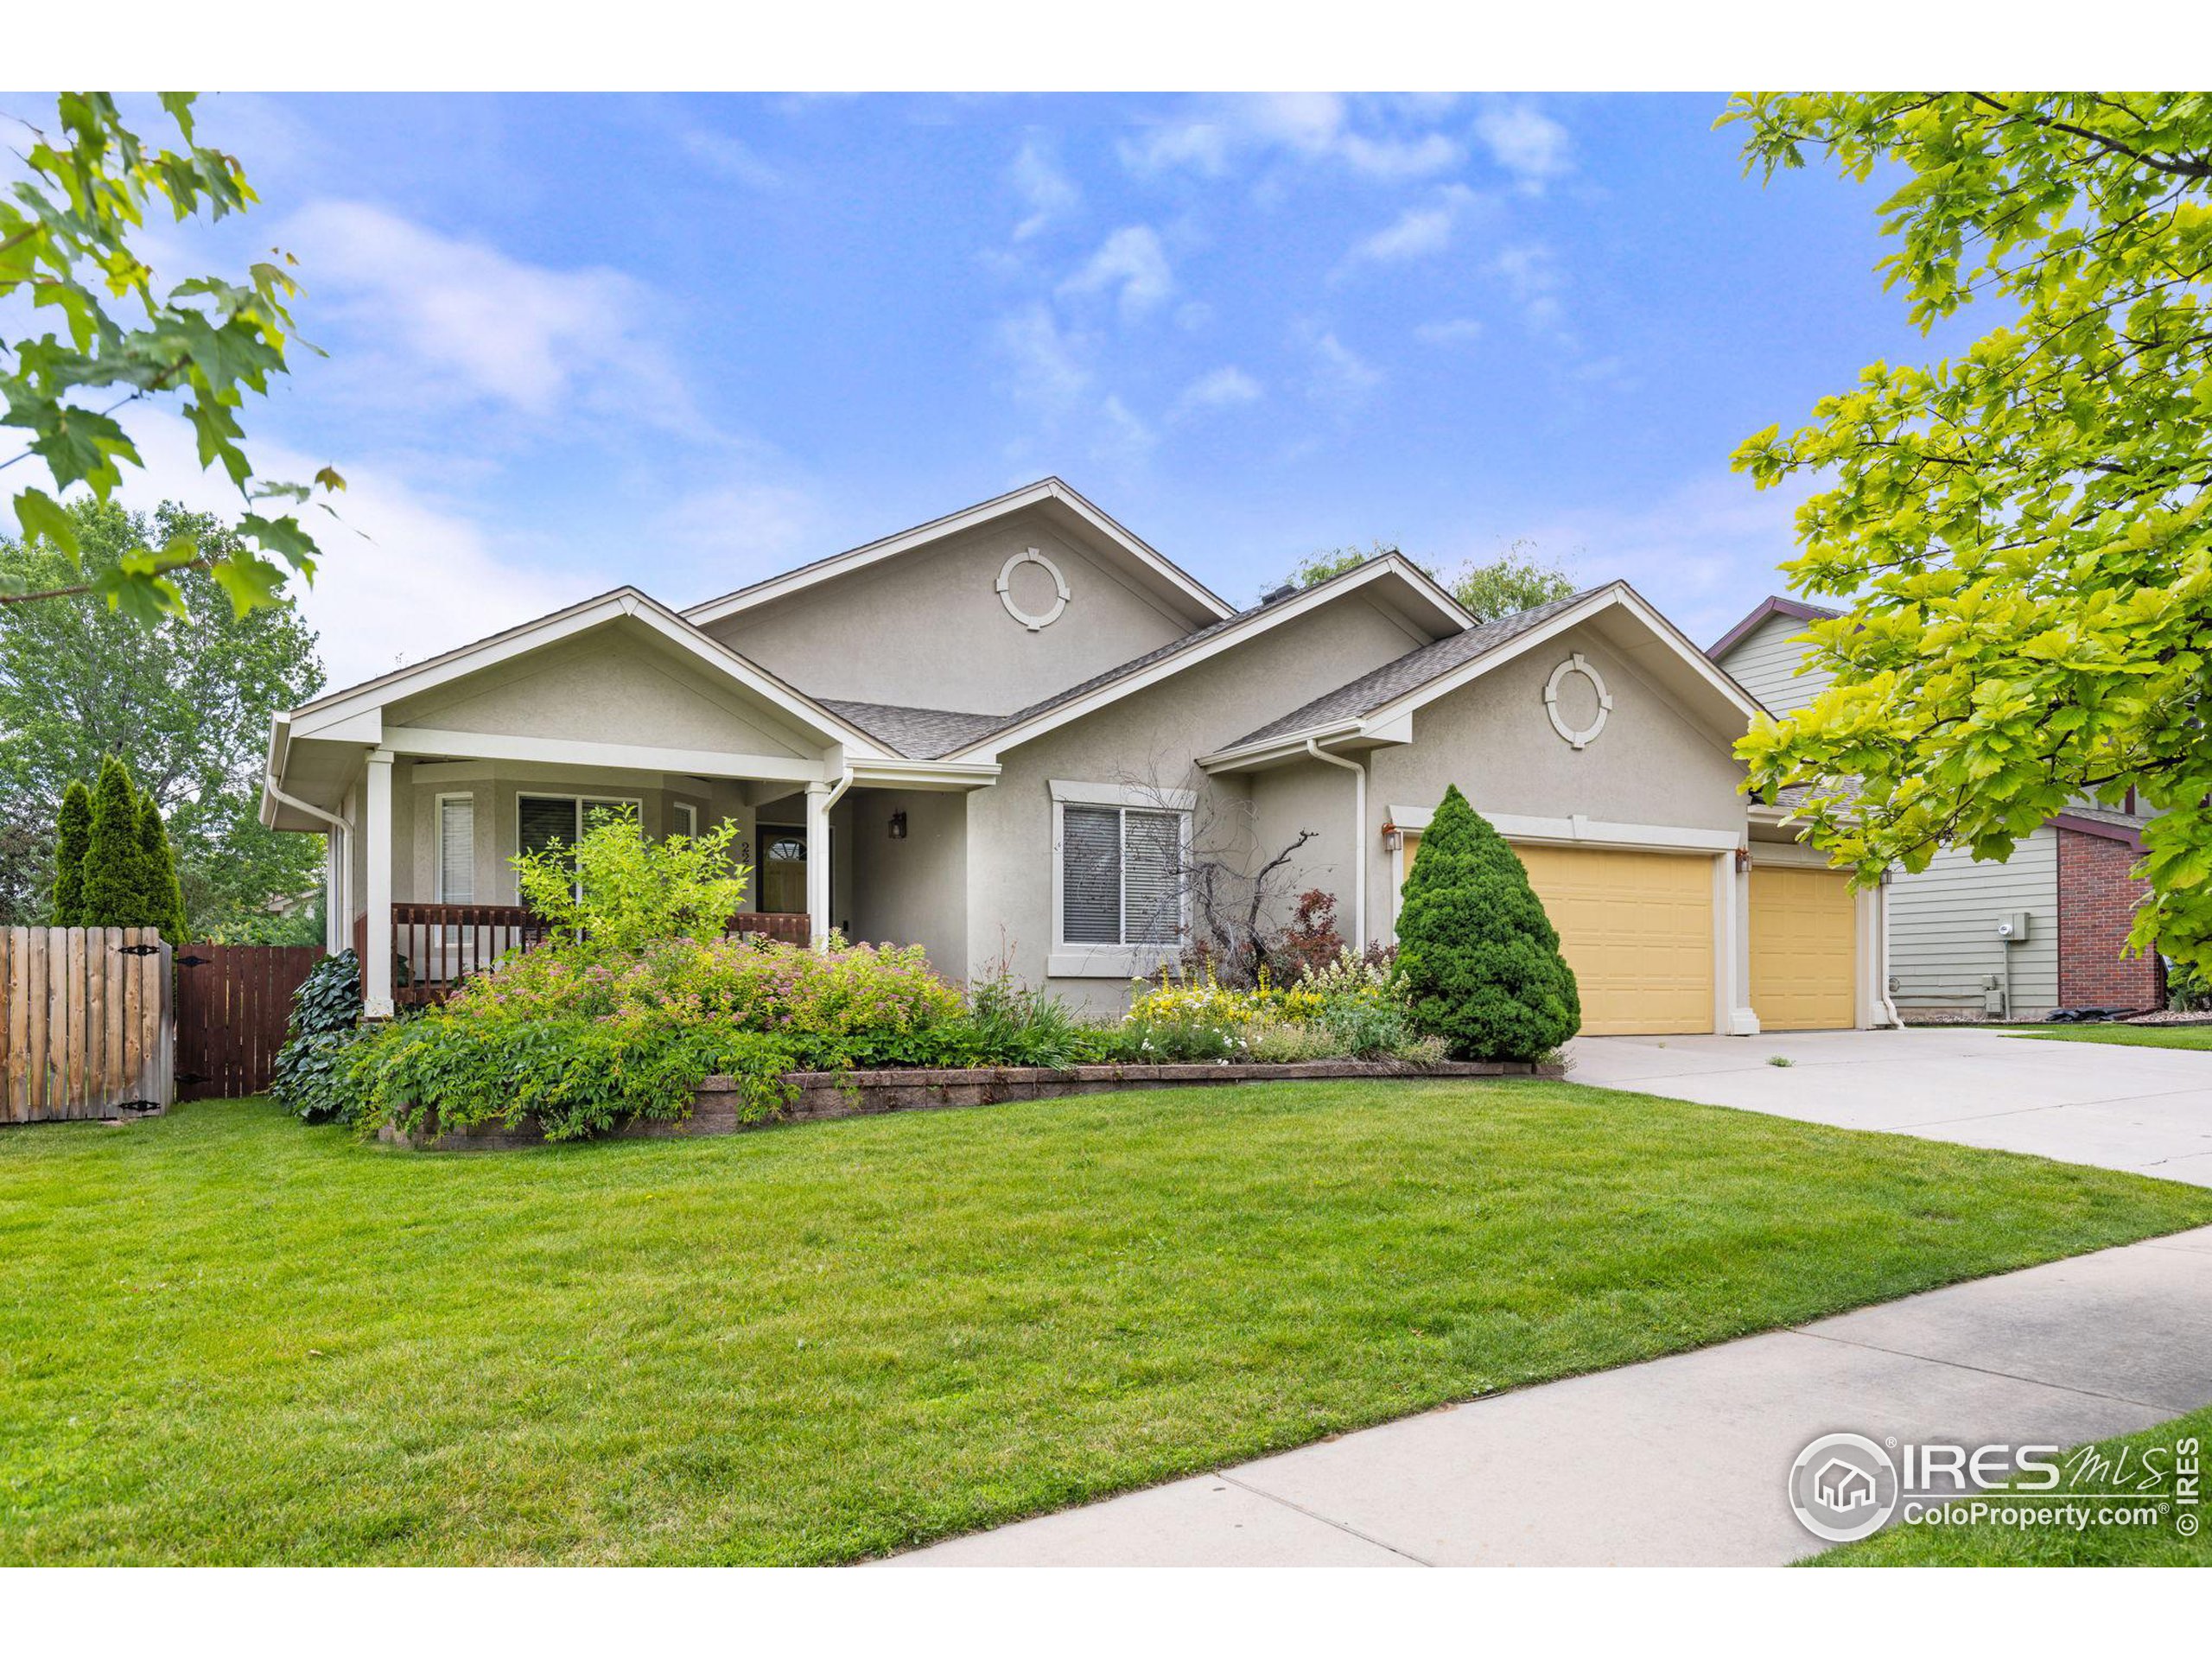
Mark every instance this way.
x=994 y=744
x=623 y=757
x=924 y=774
x=858 y=558
x=327 y=718
x=1579 y=831
x=1139 y=795
x=1253 y=756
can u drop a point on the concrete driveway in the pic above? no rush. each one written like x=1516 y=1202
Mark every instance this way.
x=2139 y=1109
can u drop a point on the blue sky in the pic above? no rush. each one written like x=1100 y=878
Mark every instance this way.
x=687 y=341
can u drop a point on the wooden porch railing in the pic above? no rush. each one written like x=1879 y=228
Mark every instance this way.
x=435 y=947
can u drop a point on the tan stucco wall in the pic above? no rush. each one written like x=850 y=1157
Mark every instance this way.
x=957 y=647
x=605 y=688
x=909 y=892
x=1153 y=736
x=1651 y=765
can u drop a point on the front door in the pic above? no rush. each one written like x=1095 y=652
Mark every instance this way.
x=783 y=870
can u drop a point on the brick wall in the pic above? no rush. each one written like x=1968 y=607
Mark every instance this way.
x=2096 y=907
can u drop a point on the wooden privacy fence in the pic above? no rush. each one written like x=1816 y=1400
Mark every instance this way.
x=232 y=1004
x=87 y=1028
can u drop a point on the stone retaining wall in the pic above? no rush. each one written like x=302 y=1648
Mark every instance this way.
x=866 y=1094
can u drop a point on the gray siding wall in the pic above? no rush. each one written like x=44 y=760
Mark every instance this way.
x=1764 y=663
x=908 y=891
x=1943 y=937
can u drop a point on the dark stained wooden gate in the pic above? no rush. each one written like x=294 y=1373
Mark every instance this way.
x=233 y=1003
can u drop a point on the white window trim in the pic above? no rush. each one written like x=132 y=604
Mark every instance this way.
x=630 y=801
x=689 y=815
x=438 y=844
x=1082 y=961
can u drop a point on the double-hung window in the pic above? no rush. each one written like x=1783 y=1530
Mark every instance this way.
x=456 y=882
x=1122 y=881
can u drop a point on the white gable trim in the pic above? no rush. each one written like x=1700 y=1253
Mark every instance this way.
x=347 y=714
x=1201 y=597
x=1385 y=723
x=991 y=745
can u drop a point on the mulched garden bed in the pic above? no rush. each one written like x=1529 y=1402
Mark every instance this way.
x=865 y=1094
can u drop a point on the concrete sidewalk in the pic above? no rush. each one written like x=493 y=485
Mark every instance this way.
x=1679 y=1461
x=2148 y=1110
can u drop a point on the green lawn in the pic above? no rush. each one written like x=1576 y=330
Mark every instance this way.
x=2128 y=1036
x=227 y=1337
x=1986 y=1543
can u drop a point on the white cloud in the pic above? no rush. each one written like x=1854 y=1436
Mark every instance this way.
x=1449 y=331
x=732 y=158
x=442 y=319
x=1047 y=192
x=1045 y=370
x=1224 y=388
x=1416 y=233
x=1132 y=261
x=1340 y=376
x=1525 y=142
x=1122 y=438
x=1704 y=551
x=404 y=575
x=1366 y=136
x=1531 y=274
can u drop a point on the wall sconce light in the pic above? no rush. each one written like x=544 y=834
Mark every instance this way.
x=897 y=826
x=1742 y=860
x=1392 y=840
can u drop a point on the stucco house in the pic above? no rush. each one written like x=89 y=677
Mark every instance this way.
x=1014 y=734
x=2045 y=929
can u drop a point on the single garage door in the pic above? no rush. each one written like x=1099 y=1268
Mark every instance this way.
x=1804 y=949
x=1638 y=929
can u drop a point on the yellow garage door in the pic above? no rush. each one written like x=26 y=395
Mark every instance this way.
x=1638 y=929
x=1804 y=949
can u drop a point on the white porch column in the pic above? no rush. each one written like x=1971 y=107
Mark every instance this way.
x=1735 y=1016
x=376 y=968
x=818 y=861
x=334 y=919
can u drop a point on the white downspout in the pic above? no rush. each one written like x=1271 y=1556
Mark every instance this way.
x=1358 y=837
x=337 y=925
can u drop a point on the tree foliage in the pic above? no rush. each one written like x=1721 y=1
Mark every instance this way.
x=72 y=245
x=616 y=892
x=185 y=703
x=1477 y=954
x=160 y=898
x=2018 y=532
x=113 y=893
x=72 y=834
x=1519 y=579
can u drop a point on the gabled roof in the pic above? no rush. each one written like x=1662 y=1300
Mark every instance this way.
x=1381 y=699
x=1772 y=605
x=1409 y=586
x=1159 y=572
x=334 y=707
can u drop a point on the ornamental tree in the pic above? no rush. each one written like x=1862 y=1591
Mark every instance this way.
x=1477 y=954
x=113 y=890
x=2017 y=533
x=73 y=831
x=160 y=898
x=615 y=892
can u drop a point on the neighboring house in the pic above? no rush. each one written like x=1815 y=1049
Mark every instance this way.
x=1948 y=958
x=1019 y=737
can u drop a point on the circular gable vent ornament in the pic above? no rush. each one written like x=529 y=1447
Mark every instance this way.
x=1031 y=555
x=1583 y=737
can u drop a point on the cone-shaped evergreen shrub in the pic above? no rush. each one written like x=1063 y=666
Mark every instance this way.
x=160 y=894
x=73 y=829
x=1477 y=954
x=114 y=892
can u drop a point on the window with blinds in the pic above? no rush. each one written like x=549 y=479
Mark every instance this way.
x=456 y=849
x=543 y=819
x=1121 y=876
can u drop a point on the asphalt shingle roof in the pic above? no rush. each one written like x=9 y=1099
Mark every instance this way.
x=1409 y=672
x=917 y=734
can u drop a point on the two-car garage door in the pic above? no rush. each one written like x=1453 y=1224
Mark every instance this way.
x=1637 y=929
